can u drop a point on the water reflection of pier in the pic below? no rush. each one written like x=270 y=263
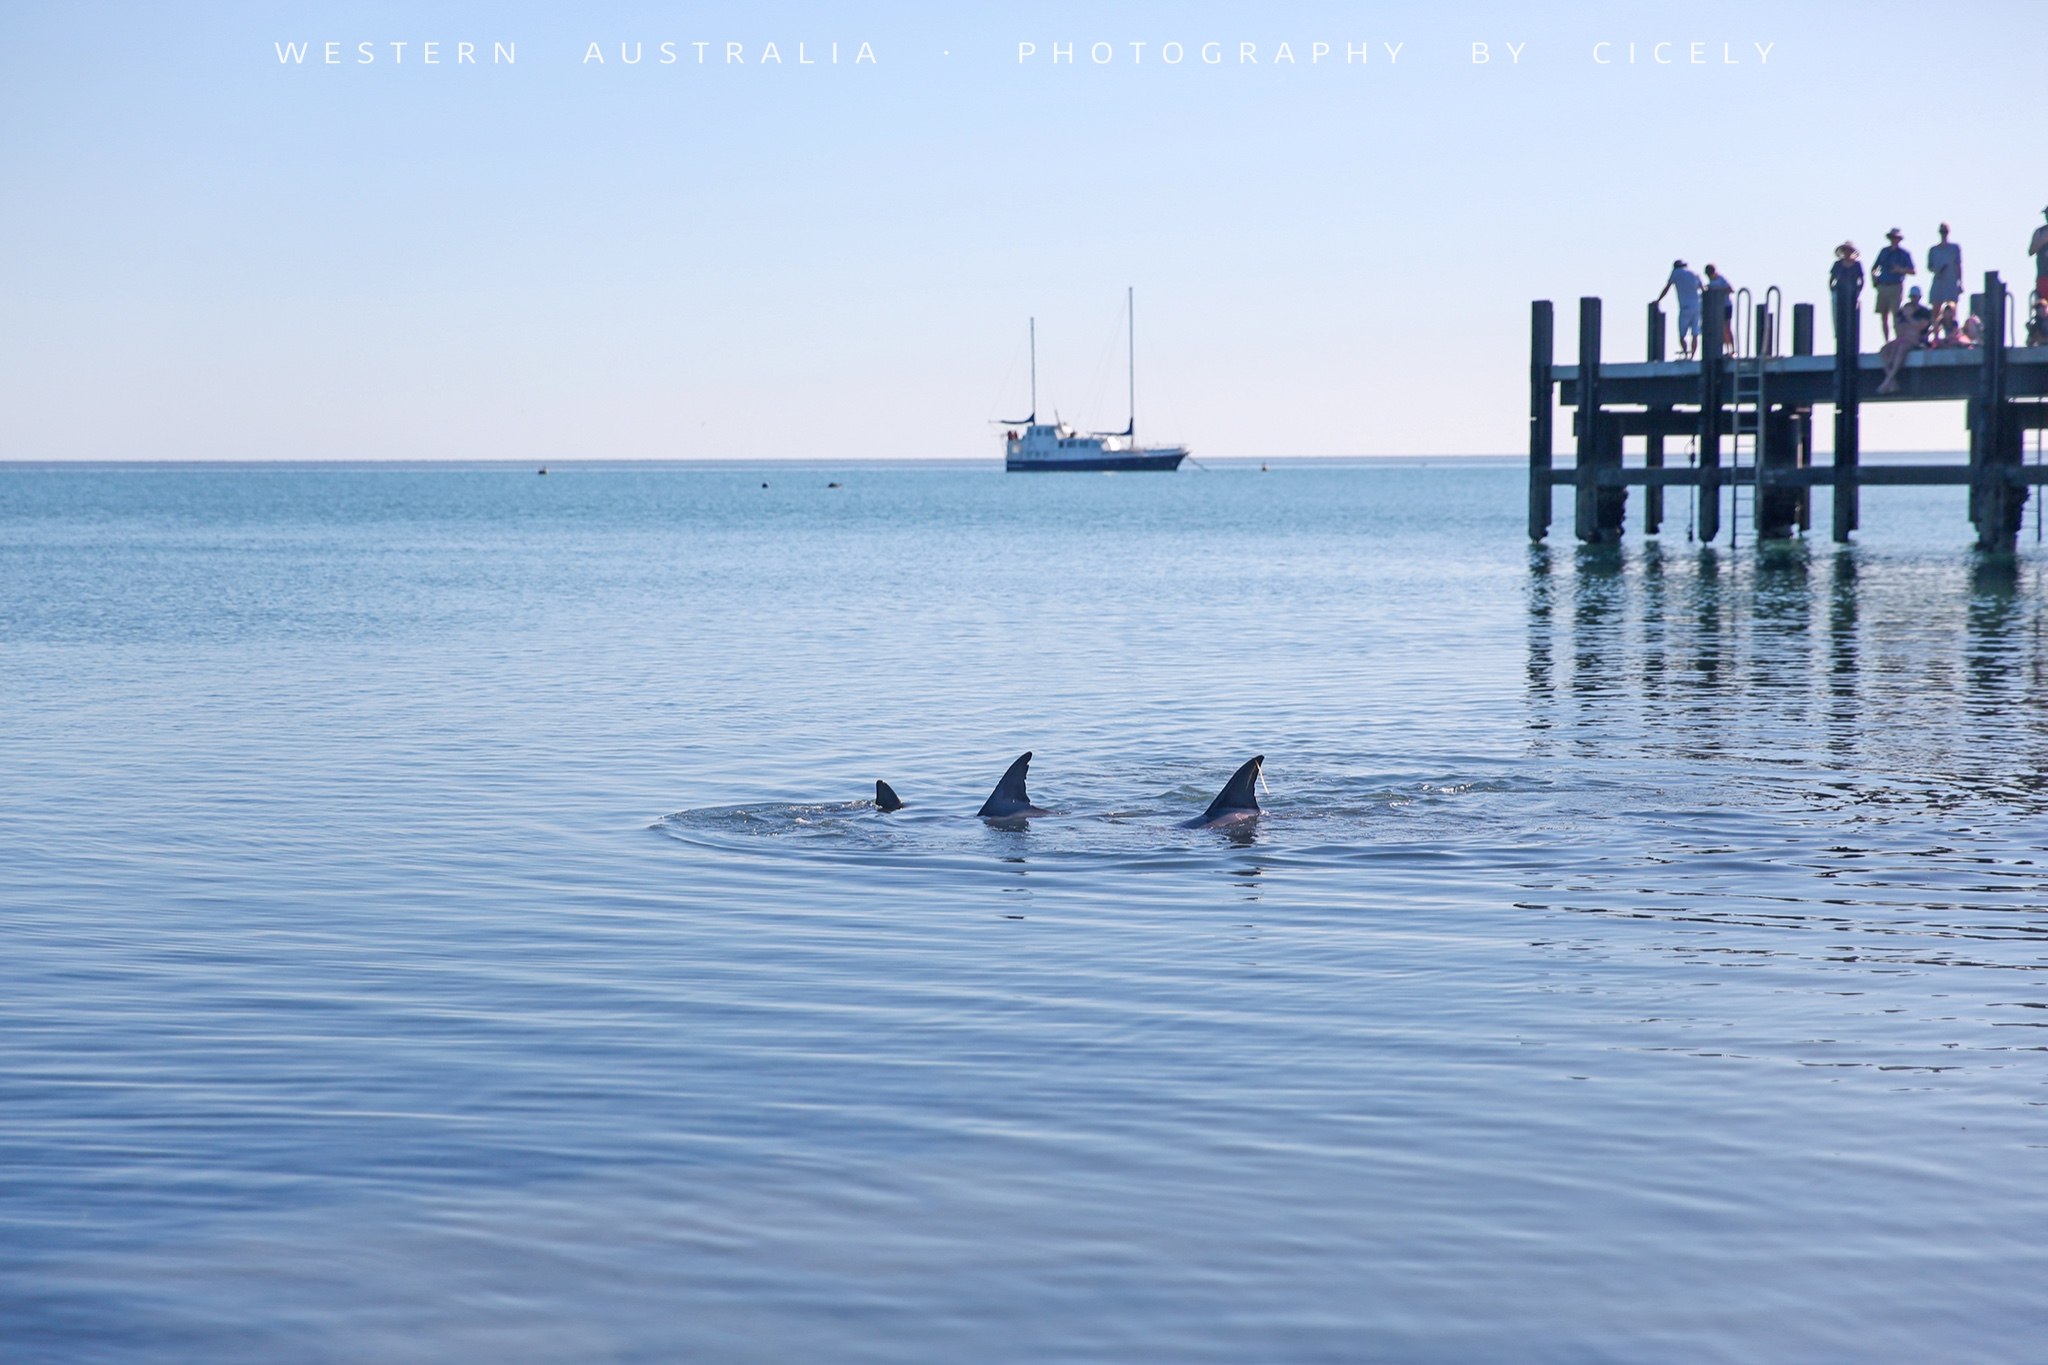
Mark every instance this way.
x=1754 y=406
x=1912 y=679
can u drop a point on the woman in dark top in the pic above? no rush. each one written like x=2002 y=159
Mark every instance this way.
x=1845 y=283
x=1847 y=271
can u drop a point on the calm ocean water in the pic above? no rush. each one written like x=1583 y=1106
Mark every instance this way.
x=443 y=921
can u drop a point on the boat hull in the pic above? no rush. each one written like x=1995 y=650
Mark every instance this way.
x=1167 y=460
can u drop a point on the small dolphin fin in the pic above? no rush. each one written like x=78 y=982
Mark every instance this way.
x=1239 y=798
x=1008 y=800
x=886 y=797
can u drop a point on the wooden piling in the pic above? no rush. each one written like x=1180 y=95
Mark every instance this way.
x=1848 y=434
x=1996 y=502
x=1713 y=326
x=1586 y=505
x=1653 y=442
x=1610 y=497
x=1777 y=505
x=1802 y=422
x=1542 y=356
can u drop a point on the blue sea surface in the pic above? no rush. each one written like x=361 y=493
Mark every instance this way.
x=444 y=919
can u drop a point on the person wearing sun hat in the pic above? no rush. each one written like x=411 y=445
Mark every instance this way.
x=1888 y=272
x=1847 y=271
x=1845 y=282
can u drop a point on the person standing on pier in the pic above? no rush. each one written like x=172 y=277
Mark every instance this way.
x=1716 y=280
x=1688 y=286
x=1888 y=272
x=1945 y=264
x=2038 y=249
x=1845 y=283
x=1846 y=274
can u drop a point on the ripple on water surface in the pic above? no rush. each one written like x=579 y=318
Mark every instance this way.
x=1639 y=956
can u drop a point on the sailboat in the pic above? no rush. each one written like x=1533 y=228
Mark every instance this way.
x=1059 y=445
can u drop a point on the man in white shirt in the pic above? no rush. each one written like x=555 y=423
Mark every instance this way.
x=1688 y=286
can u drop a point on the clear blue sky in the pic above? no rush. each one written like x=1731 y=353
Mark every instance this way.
x=209 y=253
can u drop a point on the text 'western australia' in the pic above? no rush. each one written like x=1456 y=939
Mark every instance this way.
x=730 y=53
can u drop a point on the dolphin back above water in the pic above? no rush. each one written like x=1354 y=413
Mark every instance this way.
x=1239 y=799
x=1009 y=801
x=886 y=798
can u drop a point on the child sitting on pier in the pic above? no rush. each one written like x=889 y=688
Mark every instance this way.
x=1949 y=334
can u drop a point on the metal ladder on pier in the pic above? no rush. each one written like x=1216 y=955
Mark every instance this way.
x=1755 y=340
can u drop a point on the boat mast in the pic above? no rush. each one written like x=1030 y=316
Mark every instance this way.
x=1131 y=334
x=1032 y=420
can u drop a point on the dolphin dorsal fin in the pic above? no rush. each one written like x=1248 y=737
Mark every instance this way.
x=1009 y=798
x=1240 y=793
x=885 y=797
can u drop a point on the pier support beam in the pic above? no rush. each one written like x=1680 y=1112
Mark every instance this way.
x=1848 y=431
x=1777 y=508
x=1653 y=444
x=1542 y=355
x=1802 y=420
x=1597 y=511
x=1713 y=330
x=1997 y=503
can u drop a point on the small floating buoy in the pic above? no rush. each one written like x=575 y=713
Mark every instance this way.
x=764 y=484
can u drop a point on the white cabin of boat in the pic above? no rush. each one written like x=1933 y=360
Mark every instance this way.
x=1061 y=446
x=1030 y=444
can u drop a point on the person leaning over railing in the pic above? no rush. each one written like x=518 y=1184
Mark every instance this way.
x=1688 y=286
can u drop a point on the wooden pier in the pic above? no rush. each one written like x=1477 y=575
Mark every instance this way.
x=1753 y=407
